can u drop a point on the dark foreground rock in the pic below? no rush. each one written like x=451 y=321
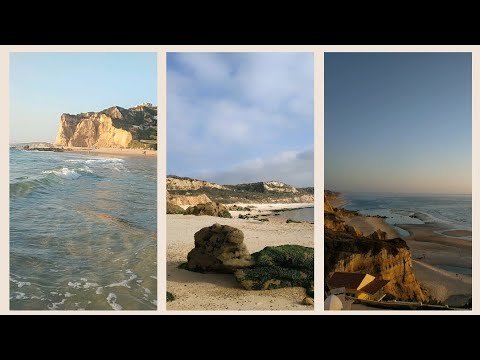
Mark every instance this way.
x=218 y=248
x=211 y=208
x=170 y=296
x=279 y=266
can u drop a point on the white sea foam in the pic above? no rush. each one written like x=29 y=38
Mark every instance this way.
x=123 y=283
x=75 y=285
x=67 y=294
x=20 y=283
x=64 y=173
x=99 y=290
x=112 y=301
x=56 y=305
x=19 y=296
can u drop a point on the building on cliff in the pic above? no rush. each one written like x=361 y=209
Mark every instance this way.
x=361 y=286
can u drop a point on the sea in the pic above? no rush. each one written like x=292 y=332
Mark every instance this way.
x=82 y=231
x=455 y=211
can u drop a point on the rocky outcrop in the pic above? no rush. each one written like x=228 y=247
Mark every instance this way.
x=279 y=266
x=113 y=127
x=185 y=183
x=378 y=235
x=347 y=250
x=326 y=205
x=389 y=259
x=189 y=199
x=218 y=248
x=174 y=209
x=260 y=192
x=211 y=209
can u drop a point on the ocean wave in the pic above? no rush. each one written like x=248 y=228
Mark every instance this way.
x=105 y=163
x=96 y=161
x=65 y=173
x=26 y=185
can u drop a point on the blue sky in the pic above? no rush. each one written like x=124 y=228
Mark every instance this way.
x=398 y=122
x=45 y=85
x=240 y=117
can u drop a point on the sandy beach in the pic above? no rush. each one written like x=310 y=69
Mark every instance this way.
x=196 y=291
x=112 y=151
x=442 y=264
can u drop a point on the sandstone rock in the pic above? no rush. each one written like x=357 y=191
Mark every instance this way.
x=174 y=209
x=218 y=248
x=326 y=206
x=189 y=199
x=351 y=230
x=308 y=301
x=185 y=183
x=211 y=209
x=113 y=127
x=333 y=223
x=277 y=267
x=389 y=259
x=378 y=235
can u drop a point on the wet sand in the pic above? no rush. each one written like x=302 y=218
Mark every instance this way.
x=441 y=263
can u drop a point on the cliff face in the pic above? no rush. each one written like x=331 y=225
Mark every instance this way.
x=179 y=183
x=347 y=250
x=260 y=192
x=112 y=127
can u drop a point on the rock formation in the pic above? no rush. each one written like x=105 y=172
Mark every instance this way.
x=185 y=183
x=174 y=209
x=112 y=127
x=279 y=266
x=189 y=199
x=218 y=248
x=347 y=250
x=211 y=209
x=259 y=192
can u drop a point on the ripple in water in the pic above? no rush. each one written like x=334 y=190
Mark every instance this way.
x=82 y=232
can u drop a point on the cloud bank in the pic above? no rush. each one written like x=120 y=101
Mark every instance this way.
x=229 y=113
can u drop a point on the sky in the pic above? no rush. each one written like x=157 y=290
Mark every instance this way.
x=398 y=122
x=45 y=85
x=240 y=117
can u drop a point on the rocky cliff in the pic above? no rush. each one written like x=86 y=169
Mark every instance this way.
x=347 y=250
x=259 y=192
x=112 y=127
x=185 y=183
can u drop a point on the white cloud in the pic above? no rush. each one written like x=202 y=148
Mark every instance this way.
x=227 y=108
x=292 y=167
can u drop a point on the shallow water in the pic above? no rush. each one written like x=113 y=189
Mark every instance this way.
x=303 y=214
x=82 y=231
x=455 y=211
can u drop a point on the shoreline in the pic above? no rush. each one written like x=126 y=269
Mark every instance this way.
x=441 y=255
x=197 y=291
x=111 y=151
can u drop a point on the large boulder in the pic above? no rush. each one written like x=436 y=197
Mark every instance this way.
x=211 y=208
x=279 y=266
x=218 y=248
x=174 y=209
